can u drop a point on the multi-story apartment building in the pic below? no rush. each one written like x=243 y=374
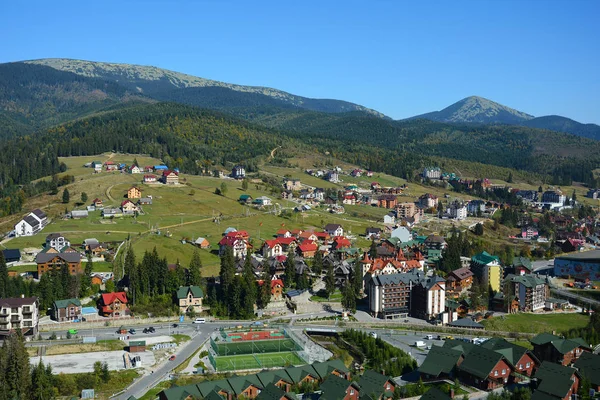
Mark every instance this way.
x=405 y=210
x=553 y=196
x=487 y=269
x=428 y=200
x=401 y=294
x=19 y=313
x=432 y=173
x=531 y=291
x=457 y=210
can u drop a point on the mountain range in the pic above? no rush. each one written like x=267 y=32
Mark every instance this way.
x=60 y=107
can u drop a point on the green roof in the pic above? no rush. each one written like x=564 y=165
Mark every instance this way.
x=589 y=366
x=204 y=388
x=182 y=292
x=66 y=302
x=180 y=392
x=543 y=338
x=555 y=379
x=529 y=281
x=373 y=383
x=464 y=347
x=297 y=374
x=538 y=395
x=334 y=388
x=435 y=394
x=241 y=383
x=452 y=304
x=213 y=396
x=271 y=392
x=522 y=262
x=484 y=258
x=440 y=360
x=325 y=368
x=137 y=343
x=563 y=346
x=245 y=197
x=480 y=362
x=421 y=239
x=273 y=376
x=510 y=351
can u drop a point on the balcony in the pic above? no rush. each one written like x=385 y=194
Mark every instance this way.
x=15 y=318
x=28 y=311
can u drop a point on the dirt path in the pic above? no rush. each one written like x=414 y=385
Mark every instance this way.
x=273 y=152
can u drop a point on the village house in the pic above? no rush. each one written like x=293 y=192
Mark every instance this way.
x=485 y=369
x=97 y=203
x=97 y=166
x=334 y=230
x=134 y=169
x=262 y=201
x=333 y=177
x=53 y=261
x=336 y=388
x=387 y=201
x=555 y=381
x=189 y=298
x=428 y=200
x=237 y=242
x=145 y=201
x=307 y=249
x=19 y=313
x=57 y=242
x=31 y=224
x=128 y=207
x=520 y=358
x=112 y=213
x=441 y=363
x=170 y=177
x=111 y=166
x=149 y=178
x=458 y=282
x=113 y=304
x=238 y=172
x=374 y=385
x=588 y=366
x=373 y=233
x=272 y=392
x=202 y=243
x=134 y=193
x=292 y=184
x=349 y=199
x=11 y=255
x=66 y=310
x=78 y=214
x=554 y=349
x=271 y=248
x=277 y=289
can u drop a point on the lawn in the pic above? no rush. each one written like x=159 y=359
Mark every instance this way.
x=335 y=296
x=258 y=361
x=536 y=323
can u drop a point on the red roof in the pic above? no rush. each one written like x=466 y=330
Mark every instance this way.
x=125 y=202
x=149 y=176
x=167 y=172
x=238 y=234
x=271 y=243
x=229 y=240
x=276 y=282
x=410 y=264
x=109 y=298
x=109 y=163
x=322 y=235
x=341 y=242
x=281 y=258
x=308 y=246
x=282 y=231
x=285 y=241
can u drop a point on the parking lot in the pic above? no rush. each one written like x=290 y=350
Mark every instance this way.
x=84 y=362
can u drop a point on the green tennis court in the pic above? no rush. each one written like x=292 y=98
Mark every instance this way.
x=257 y=361
x=255 y=347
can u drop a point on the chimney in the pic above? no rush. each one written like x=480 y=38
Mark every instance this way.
x=22 y=296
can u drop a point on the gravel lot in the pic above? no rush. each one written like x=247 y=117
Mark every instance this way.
x=84 y=362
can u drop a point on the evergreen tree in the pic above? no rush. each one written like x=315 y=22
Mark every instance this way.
x=249 y=286
x=302 y=280
x=317 y=265
x=131 y=275
x=195 y=267
x=236 y=308
x=540 y=189
x=5 y=290
x=66 y=196
x=510 y=178
x=86 y=279
x=227 y=275
x=373 y=250
x=357 y=277
x=245 y=184
x=479 y=229
x=223 y=189
x=84 y=197
x=264 y=290
x=329 y=281
x=41 y=383
x=17 y=377
x=289 y=274
x=348 y=298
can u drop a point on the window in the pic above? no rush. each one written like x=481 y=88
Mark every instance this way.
x=503 y=372
x=528 y=365
x=351 y=392
x=495 y=373
x=520 y=366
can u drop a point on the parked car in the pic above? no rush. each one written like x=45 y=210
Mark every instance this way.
x=172 y=358
x=174 y=326
x=373 y=335
x=73 y=331
x=428 y=337
x=200 y=321
x=151 y=329
x=132 y=331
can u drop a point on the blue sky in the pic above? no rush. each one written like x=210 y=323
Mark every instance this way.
x=401 y=58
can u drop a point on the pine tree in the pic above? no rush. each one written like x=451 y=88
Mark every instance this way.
x=317 y=265
x=510 y=178
x=245 y=184
x=66 y=196
x=86 y=279
x=373 y=250
x=329 y=281
x=227 y=275
x=348 y=298
x=17 y=382
x=264 y=290
x=84 y=197
x=357 y=277
x=195 y=267
x=249 y=285
x=290 y=271
x=5 y=290
x=41 y=383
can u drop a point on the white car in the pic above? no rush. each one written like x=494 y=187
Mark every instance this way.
x=199 y=321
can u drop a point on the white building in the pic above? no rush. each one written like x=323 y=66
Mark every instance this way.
x=56 y=241
x=238 y=172
x=19 y=313
x=457 y=210
x=334 y=229
x=263 y=201
x=402 y=233
x=432 y=173
x=31 y=224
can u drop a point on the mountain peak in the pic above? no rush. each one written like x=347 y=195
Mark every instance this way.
x=476 y=109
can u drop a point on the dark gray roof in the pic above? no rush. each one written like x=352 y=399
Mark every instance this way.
x=68 y=257
x=593 y=255
x=31 y=221
x=331 y=227
x=466 y=323
x=39 y=213
x=18 y=301
x=11 y=253
x=53 y=236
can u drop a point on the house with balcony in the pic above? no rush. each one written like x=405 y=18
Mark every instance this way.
x=66 y=310
x=556 y=382
x=189 y=298
x=19 y=313
x=554 y=349
x=531 y=291
x=113 y=304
